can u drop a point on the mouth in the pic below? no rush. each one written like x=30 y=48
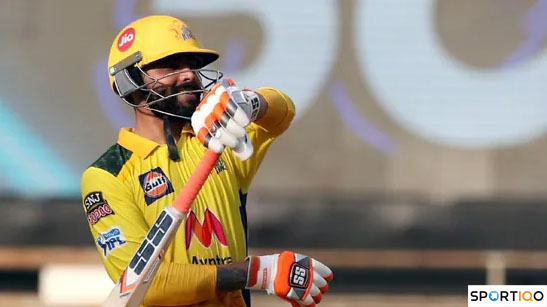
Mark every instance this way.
x=190 y=99
x=186 y=87
x=192 y=94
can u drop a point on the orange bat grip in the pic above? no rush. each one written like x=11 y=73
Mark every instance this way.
x=191 y=189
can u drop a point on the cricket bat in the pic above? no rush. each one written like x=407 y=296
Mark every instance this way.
x=137 y=277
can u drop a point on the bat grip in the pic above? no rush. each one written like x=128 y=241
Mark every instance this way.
x=197 y=179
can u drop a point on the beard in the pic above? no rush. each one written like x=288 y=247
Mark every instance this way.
x=181 y=105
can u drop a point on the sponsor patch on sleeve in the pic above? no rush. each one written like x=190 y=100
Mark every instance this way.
x=110 y=240
x=155 y=185
x=96 y=207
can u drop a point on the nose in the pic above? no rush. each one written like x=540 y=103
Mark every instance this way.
x=186 y=75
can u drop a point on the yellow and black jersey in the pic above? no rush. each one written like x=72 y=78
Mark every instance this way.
x=129 y=185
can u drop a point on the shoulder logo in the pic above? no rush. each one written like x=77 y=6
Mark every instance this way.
x=155 y=185
x=110 y=240
x=96 y=207
x=126 y=39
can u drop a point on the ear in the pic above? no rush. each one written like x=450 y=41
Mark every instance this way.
x=127 y=77
x=136 y=97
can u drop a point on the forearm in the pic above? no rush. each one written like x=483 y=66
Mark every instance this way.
x=232 y=276
x=182 y=284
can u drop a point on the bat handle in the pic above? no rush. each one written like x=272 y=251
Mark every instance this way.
x=197 y=179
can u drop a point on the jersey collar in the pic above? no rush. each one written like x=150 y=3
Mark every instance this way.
x=187 y=129
x=136 y=143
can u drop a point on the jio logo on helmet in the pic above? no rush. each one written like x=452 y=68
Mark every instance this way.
x=126 y=39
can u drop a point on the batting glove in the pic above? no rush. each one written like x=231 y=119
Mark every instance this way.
x=299 y=279
x=221 y=117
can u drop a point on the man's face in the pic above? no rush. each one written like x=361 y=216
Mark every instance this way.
x=183 y=80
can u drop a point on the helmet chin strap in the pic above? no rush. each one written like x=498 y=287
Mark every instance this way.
x=171 y=146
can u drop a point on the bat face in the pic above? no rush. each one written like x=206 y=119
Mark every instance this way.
x=135 y=280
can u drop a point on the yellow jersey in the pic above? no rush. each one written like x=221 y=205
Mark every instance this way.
x=129 y=185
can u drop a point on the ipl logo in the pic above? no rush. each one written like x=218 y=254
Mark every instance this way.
x=110 y=240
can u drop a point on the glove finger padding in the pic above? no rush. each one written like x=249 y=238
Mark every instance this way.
x=246 y=100
x=322 y=269
x=320 y=282
x=205 y=137
x=221 y=113
x=237 y=99
x=243 y=149
x=315 y=293
x=204 y=126
x=294 y=304
x=218 y=121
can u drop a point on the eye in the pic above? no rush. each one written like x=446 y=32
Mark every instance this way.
x=193 y=63
x=190 y=62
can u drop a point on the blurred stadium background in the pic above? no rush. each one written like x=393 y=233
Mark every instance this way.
x=416 y=164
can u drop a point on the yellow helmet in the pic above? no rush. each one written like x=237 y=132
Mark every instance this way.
x=147 y=40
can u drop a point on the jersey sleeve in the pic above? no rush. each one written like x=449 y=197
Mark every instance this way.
x=117 y=225
x=118 y=228
x=263 y=132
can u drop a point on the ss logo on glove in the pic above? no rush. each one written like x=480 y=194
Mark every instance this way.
x=298 y=276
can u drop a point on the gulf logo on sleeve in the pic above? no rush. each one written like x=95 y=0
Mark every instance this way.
x=505 y=295
x=155 y=185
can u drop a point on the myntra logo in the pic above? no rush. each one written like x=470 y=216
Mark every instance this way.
x=204 y=231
